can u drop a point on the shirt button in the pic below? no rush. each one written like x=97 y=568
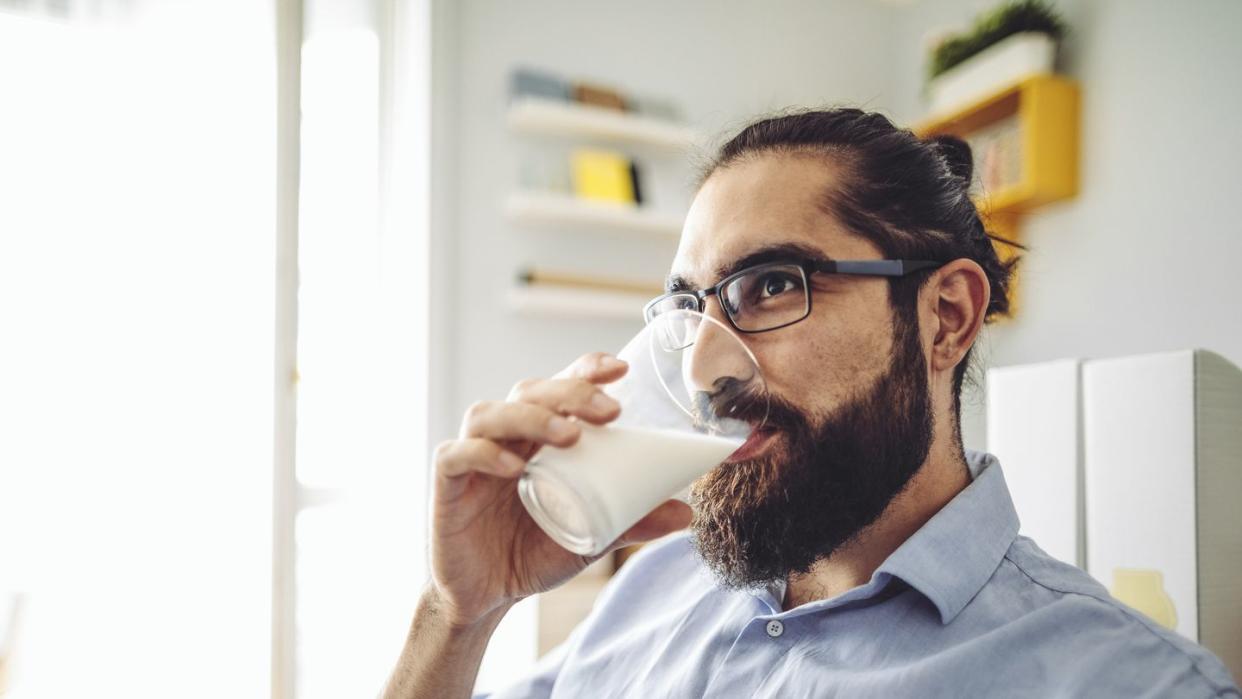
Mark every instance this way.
x=775 y=628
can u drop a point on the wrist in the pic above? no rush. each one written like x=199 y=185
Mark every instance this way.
x=439 y=609
x=443 y=651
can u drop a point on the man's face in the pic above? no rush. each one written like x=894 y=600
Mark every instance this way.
x=848 y=390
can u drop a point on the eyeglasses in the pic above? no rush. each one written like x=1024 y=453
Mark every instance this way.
x=767 y=296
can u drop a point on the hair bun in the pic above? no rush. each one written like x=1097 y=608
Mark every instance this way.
x=956 y=153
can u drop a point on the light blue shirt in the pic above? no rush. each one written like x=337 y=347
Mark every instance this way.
x=964 y=608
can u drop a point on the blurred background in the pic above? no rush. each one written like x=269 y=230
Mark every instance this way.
x=257 y=257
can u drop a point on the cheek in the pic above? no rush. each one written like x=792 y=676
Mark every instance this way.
x=818 y=366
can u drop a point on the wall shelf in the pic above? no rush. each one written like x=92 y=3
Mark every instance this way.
x=568 y=302
x=1046 y=107
x=547 y=117
x=554 y=209
x=1046 y=111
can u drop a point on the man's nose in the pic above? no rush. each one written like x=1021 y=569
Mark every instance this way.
x=716 y=354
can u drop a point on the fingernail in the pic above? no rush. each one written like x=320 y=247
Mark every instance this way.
x=602 y=403
x=511 y=461
x=610 y=362
x=560 y=429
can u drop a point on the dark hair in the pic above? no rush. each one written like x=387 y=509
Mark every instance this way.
x=909 y=196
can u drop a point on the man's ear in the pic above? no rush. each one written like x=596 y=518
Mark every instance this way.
x=958 y=295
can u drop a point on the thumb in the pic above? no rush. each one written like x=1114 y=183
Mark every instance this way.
x=670 y=516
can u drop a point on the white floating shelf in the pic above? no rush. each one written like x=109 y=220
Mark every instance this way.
x=559 y=301
x=553 y=209
x=547 y=117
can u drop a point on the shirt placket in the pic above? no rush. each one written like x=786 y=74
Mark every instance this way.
x=758 y=650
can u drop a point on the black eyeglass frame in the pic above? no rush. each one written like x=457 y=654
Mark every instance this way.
x=863 y=268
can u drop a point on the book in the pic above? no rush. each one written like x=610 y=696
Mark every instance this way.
x=602 y=175
x=598 y=96
x=1033 y=428
x=1163 y=477
x=997 y=151
x=528 y=82
x=635 y=183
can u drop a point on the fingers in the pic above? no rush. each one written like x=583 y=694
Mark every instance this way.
x=577 y=397
x=669 y=517
x=509 y=421
x=537 y=412
x=458 y=457
x=596 y=367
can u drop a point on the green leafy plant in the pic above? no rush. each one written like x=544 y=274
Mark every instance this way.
x=992 y=26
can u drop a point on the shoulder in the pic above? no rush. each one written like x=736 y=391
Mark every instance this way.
x=663 y=565
x=647 y=597
x=673 y=548
x=1106 y=644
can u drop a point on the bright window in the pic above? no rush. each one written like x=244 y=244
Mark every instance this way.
x=137 y=322
x=136 y=316
x=360 y=431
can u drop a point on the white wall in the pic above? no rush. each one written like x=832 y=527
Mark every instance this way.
x=1146 y=258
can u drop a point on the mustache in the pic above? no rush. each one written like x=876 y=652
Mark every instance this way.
x=734 y=399
x=730 y=399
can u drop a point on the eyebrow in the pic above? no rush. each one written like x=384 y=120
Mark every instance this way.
x=776 y=252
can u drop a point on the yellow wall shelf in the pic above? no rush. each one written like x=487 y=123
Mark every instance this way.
x=1046 y=108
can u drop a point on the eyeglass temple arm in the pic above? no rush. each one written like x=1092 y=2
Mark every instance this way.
x=875 y=268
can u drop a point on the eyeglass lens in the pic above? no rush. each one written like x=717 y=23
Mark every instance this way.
x=766 y=298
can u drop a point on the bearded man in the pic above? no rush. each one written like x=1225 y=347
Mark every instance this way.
x=852 y=547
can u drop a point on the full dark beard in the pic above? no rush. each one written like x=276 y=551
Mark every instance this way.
x=759 y=520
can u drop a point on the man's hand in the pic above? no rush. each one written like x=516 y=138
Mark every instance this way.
x=486 y=551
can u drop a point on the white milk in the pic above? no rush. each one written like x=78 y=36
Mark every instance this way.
x=587 y=495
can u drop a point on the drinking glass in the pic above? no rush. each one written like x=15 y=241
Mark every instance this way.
x=693 y=395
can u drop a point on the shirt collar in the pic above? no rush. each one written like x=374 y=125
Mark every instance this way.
x=954 y=554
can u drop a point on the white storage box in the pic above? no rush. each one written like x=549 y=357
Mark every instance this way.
x=1163 y=467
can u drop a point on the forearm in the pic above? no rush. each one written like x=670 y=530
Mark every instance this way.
x=440 y=659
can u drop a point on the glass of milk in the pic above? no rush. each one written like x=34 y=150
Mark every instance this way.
x=692 y=396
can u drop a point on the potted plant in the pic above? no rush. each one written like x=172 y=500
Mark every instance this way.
x=1015 y=40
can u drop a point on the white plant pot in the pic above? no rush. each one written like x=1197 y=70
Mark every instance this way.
x=1001 y=64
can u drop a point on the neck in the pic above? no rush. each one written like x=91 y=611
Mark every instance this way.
x=940 y=478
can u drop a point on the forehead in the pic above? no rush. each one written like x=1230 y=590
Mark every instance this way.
x=758 y=203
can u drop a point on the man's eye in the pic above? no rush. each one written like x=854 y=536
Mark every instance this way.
x=775 y=284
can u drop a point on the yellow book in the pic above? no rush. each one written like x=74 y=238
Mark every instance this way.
x=602 y=175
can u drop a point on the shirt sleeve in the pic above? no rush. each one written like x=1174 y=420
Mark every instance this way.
x=1125 y=654
x=542 y=680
